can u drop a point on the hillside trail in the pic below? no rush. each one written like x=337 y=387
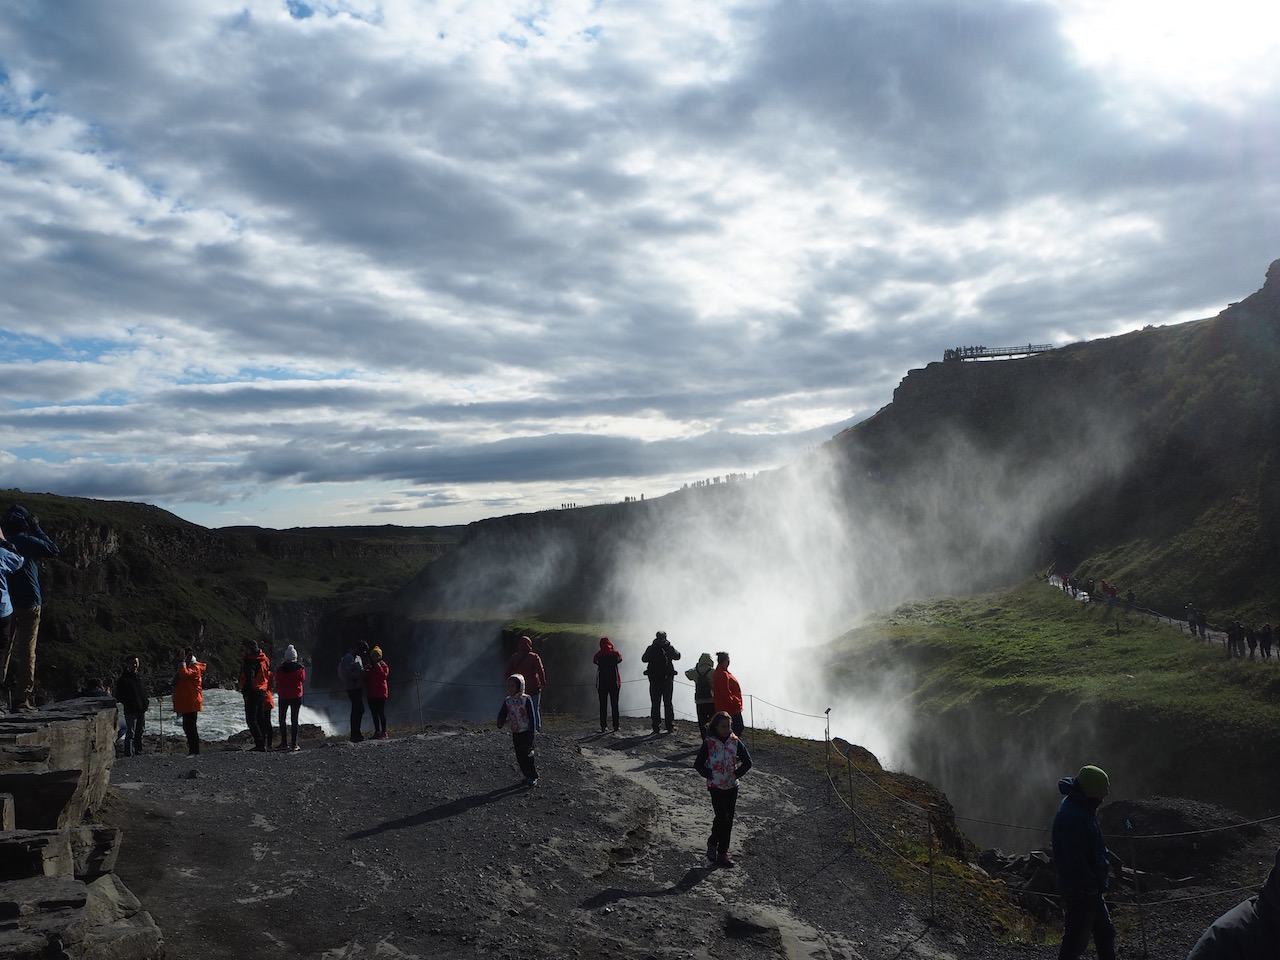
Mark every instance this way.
x=426 y=845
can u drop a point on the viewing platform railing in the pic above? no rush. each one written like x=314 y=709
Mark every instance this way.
x=978 y=353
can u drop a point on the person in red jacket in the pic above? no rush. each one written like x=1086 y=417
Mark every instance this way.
x=529 y=665
x=727 y=693
x=289 y=680
x=376 y=690
x=188 y=696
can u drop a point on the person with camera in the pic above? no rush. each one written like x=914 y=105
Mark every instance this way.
x=661 y=656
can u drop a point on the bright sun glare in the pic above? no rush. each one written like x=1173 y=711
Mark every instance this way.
x=1215 y=51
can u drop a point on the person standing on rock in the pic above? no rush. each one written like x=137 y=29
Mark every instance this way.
x=517 y=714
x=289 y=680
x=1082 y=864
x=704 y=698
x=131 y=693
x=723 y=760
x=188 y=696
x=33 y=545
x=529 y=665
x=608 y=680
x=10 y=562
x=351 y=673
x=661 y=656
x=377 y=690
x=255 y=679
x=1248 y=931
x=727 y=693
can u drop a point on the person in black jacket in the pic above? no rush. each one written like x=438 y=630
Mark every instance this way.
x=660 y=656
x=1082 y=864
x=1249 y=930
x=131 y=694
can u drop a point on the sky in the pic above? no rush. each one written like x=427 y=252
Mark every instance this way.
x=299 y=264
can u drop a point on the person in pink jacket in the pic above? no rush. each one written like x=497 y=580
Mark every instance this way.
x=376 y=690
x=289 y=680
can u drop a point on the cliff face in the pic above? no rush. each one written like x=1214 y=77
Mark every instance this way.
x=133 y=578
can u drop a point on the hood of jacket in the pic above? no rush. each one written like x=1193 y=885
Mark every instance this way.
x=518 y=678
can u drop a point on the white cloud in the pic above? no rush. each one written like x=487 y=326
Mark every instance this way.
x=454 y=258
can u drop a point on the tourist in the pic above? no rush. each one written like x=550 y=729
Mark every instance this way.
x=255 y=679
x=289 y=680
x=722 y=760
x=608 y=680
x=23 y=530
x=661 y=656
x=517 y=714
x=1248 y=931
x=377 y=689
x=351 y=673
x=529 y=665
x=131 y=693
x=267 y=722
x=704 y=698
x=1082 y=864
x=10 y=562
x=727 y=692
x=188 y=696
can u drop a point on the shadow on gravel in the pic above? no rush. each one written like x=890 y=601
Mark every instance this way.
x=614 y=894
x=442 y=812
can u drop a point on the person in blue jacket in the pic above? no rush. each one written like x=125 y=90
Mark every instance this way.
x=1082 y=864
x=1249 y=930
x=22 y=528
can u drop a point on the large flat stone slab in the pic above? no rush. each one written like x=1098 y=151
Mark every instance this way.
x=57 y=762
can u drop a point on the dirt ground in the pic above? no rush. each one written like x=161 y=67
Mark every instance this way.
x=427 y=845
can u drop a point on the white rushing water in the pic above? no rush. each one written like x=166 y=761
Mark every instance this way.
x=222 y=716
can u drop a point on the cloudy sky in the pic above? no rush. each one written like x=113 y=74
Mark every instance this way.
x=298 y=263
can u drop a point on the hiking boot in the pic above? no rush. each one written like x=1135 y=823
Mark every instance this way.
x=724 y=860
x=711 y=851
x=26 y=707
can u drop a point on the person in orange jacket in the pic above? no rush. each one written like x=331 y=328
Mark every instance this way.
x=255 y=681
x=188 y=695
x=727 y=692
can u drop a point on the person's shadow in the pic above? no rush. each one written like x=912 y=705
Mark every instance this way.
x=613 y=894
x=442 y=812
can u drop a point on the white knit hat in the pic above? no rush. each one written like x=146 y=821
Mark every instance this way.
x=290 y=653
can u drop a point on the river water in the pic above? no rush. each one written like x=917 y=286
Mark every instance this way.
x=222 y=716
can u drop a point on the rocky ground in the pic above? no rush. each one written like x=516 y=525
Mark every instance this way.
x=426 y=845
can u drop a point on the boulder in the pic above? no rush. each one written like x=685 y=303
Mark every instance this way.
x=35 y=853
x=57 y=762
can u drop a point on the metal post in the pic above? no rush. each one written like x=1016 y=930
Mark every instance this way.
x=417 y=688
x=752 y=698
x=827 y=755
x=160 y=700
x=848 y=765
x=928 y=839
x=1137 y=887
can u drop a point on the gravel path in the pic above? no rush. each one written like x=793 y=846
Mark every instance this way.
x=426 y=845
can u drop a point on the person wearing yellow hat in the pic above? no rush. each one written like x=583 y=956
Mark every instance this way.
x=1082 y=864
